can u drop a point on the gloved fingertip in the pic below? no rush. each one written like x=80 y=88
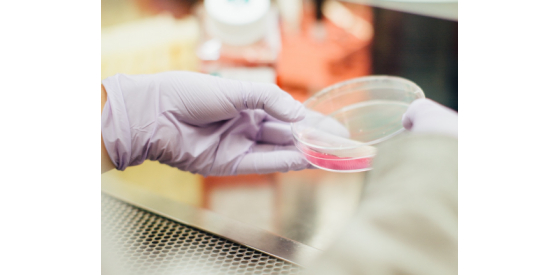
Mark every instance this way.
x=406 y=122
x=287 y=110
x=295 y=163
x=300 y=113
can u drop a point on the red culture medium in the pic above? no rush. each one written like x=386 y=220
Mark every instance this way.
x=337 y=163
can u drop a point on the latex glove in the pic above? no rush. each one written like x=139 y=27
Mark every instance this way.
x=427 y=116
x=200 y=123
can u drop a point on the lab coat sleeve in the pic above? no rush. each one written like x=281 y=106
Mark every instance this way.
x=407 y=221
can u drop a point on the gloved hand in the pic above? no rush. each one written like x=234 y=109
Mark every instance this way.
x=427 y=116
x=200 y=123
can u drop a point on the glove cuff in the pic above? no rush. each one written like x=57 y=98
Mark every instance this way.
x=115 y=126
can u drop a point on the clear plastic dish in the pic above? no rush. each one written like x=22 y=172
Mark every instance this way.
x=347 y=120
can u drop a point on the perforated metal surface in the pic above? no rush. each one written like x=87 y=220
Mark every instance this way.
x=144 y=243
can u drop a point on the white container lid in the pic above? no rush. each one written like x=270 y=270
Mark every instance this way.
x=237 y=22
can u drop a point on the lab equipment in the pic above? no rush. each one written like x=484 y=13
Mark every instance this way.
x=347 y=120
x=240 y=39
x=200 y=123
x=427 y=116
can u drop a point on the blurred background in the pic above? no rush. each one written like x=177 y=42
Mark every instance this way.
x=301 y=45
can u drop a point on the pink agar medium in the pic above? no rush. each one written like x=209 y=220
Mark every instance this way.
x=337 y=163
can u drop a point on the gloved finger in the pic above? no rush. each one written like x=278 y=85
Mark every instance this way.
x=407 y=121
x=270 y=98
x=411 y=112
x=422 y=107
x=270 y=162
x=324 y=123
x=273 y=147
x=428 y=116
x=321 y=130
x=273 y=119
x=319 y=121
x=276 y=133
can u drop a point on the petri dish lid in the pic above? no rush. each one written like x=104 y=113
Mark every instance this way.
x=368 y=108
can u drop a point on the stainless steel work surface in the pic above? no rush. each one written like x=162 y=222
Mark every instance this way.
x=136 y=241
x=211 y=222
x=309 y=207
x=292 y=215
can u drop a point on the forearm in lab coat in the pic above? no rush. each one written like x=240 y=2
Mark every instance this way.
x=407 y=222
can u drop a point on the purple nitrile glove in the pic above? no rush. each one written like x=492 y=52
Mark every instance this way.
x=427 y=116
x=200 y=123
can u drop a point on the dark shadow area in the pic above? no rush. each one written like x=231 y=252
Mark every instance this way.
x=419 y=48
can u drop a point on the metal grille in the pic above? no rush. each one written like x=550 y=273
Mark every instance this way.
x=141 y=242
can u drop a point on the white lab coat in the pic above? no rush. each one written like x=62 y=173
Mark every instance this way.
x=407 y=222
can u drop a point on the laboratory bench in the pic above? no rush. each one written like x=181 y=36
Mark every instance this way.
x=160 y=220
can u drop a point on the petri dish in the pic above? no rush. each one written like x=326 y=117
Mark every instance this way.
x=345 y=122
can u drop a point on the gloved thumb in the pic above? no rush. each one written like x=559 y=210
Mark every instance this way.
x=427 y=116
x=272 y=100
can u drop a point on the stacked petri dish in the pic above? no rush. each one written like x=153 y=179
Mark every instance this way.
x=346 y=121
